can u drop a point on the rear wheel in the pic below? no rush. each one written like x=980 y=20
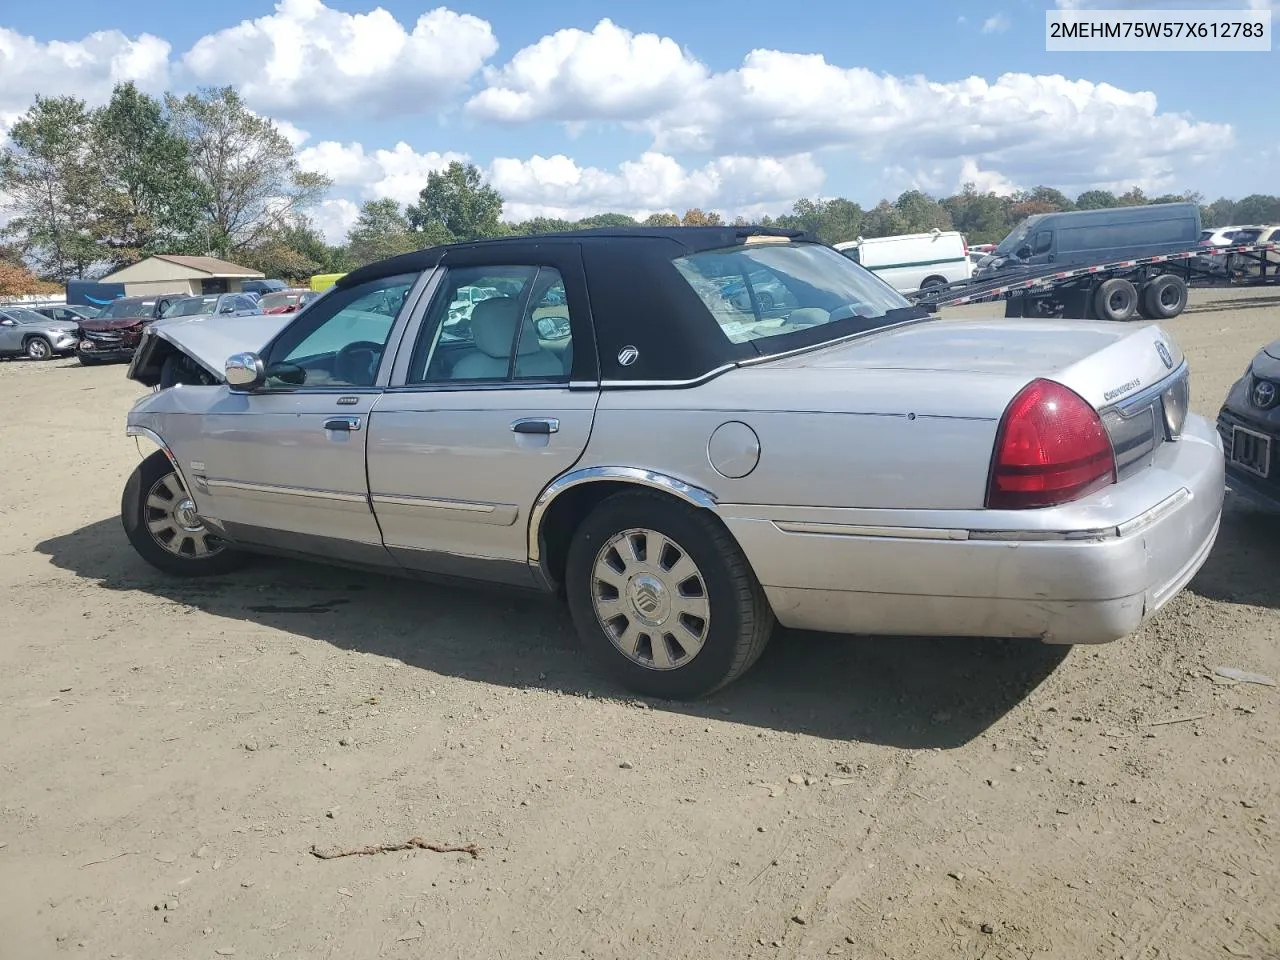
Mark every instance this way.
x=1116 y=299
x=933 y=282
x=1164 y=297
x=161 y=522
x=663 y=595
x=38 y=348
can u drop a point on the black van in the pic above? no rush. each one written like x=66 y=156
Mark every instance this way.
x=1092 y=236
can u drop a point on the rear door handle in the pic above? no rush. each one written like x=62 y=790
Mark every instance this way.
x=543 y=425
x=345 y=424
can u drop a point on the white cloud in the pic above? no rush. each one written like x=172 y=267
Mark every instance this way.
x=572 y=75
x=86 y=68
x=307 y=59
x=557 y=186
x=333 y=218
x=399 y=173
x=1019 y=127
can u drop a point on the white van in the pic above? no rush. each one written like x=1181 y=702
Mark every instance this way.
x=913 y=261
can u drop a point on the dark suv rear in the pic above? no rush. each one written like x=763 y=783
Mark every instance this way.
x=113 y=334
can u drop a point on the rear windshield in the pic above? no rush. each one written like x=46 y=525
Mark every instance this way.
x=195 y=307
x=771 y=290
x=127 y=308
x=273 y=300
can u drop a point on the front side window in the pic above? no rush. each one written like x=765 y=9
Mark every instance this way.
x=771 y=290
x=195 y=307
x=23 y=315
x=496 y=323
x=341 y=342
x=1044 y=242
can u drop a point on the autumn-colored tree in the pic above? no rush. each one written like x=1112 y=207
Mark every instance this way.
x=696 y=218
x=17 y=281
x=662 y=220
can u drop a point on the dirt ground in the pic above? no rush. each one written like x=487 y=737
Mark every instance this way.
x=172 y=751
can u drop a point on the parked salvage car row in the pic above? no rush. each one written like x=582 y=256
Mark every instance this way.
x=630 y=425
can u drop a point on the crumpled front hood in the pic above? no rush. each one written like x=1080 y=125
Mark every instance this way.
x=101 y=324
x=211 y=340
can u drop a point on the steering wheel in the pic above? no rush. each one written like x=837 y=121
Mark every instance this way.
x=357 y=363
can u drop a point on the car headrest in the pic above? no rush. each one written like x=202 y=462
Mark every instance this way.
x=493 y=326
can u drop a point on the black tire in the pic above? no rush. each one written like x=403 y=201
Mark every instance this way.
x=135 y=513
x=1116 y=300
x=739 y=621
x=1164 y=297
x=933 y=282
x=38 y=348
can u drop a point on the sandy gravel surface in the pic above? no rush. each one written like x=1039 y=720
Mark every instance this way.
x=172 y=751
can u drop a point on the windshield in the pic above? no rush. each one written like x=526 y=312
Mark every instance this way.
x=195 y=307
x=117 y=309
x=774 y=289
x=1017 y=237
x=23 y=315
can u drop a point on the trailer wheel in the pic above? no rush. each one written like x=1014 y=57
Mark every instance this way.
x=1116 y=299
x=1164 y=297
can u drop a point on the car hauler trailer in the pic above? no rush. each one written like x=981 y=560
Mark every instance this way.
x=1152 y=288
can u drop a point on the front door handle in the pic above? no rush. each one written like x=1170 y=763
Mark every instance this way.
x=543 y=425
x=345 y=424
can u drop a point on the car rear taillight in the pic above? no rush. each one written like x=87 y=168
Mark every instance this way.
x=1051 y=448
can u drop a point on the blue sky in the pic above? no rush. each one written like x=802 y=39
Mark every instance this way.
x=572 y=108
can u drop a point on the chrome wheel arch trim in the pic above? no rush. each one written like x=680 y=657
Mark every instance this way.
x=135 y=431
x=648 y=479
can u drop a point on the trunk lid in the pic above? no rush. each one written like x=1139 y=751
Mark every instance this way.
x=1103 y=362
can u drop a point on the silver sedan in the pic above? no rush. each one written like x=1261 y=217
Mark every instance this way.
x=26 y=333
x=686 y=469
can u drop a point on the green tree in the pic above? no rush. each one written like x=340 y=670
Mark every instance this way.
x=457 y=203
x=252 y=183
x=1132 y=198
x=276 y=258
x=1096 y=200
x=1054 y=199
x=47 y=173
x=301 y=235
x=921 y=213
x=662 y=220
x=537 y=225
x=981 y=217
x=606 y=220
x=148 y=200
x=1257 y=208
x=832 y=221
x=884 y=220
x=380 y=231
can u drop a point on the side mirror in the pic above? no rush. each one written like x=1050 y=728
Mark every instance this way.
x=1023 y=252
x=552 y=328
x=244 y=371
x=6 y=322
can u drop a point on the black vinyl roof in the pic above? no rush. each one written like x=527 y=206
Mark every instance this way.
x=690 y=239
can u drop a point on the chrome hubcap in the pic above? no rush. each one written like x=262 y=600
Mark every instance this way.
x=651 y=599
x=171 y=518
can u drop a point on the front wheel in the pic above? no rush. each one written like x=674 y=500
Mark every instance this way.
x=38 y=348
x=161 y=522
x=665 y=597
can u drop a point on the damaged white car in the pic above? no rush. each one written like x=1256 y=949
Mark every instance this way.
x=632 y=424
